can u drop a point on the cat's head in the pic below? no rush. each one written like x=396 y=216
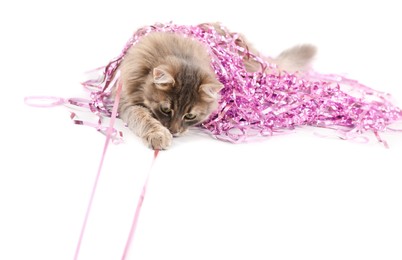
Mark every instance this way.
x=181 y=96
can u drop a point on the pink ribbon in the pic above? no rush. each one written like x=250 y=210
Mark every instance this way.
x=109 y=132
x=138 y=210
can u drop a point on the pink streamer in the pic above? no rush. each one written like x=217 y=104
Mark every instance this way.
x=108 y=137
x=269 y=101
x=138 y=210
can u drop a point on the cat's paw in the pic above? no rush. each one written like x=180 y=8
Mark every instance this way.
x=160 y=139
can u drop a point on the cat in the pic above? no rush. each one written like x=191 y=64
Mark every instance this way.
x=168 y=84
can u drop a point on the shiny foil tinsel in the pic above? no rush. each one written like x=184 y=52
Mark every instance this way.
x=267 y=101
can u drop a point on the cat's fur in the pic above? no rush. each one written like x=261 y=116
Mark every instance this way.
x=169 y=84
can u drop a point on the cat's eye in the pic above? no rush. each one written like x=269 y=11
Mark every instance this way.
x=190 y=116
x=165 y=110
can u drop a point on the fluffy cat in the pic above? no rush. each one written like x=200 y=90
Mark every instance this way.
x=169 y=84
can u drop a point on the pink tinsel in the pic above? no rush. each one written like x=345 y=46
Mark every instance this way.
x=268 y=101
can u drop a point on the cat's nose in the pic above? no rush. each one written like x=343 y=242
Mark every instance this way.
x=175 y=132
x=175 y=129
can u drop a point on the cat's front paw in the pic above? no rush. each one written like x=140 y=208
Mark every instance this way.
x=160 y=139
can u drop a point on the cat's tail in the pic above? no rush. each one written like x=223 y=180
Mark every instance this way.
x=297 y=58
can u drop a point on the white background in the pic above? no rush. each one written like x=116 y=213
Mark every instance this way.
x=295 y=196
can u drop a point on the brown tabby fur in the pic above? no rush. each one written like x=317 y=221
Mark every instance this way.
x=169 y=85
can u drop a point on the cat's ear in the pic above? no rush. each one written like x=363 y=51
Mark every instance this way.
x=162 y=78
x=210 y=91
